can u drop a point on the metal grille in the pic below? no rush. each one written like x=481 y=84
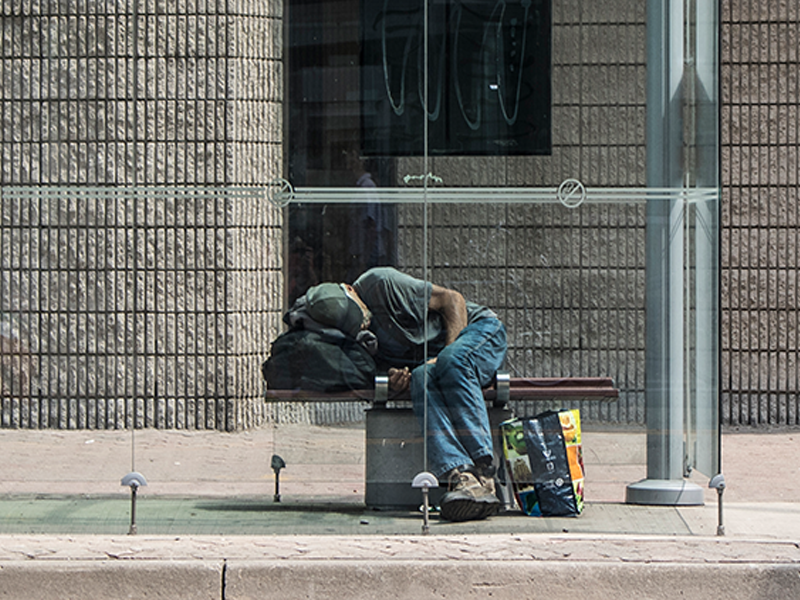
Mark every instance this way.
x=760 y=247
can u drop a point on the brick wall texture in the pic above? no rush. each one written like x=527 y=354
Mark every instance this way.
x=761 y=213
x=140 y=277
x=140 y=274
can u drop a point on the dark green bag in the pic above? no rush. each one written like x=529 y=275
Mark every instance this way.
x=310 y=360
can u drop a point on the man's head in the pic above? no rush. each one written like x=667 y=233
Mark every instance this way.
x=337 y=305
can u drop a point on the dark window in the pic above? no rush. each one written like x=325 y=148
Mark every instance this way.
x=488 y=77
x=355 y=103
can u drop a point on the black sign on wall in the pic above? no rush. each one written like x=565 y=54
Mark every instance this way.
x=488 y=77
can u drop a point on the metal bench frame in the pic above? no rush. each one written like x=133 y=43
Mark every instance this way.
x=505 y=389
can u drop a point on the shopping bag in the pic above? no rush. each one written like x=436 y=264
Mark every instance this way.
x=544 y=461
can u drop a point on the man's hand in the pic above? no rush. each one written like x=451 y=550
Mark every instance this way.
x=399 y=379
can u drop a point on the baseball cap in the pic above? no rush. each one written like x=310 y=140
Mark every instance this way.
x=329 y=304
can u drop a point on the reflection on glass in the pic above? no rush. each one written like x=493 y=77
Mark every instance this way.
x=136 y=307
x=488 y=69
x=356 y=94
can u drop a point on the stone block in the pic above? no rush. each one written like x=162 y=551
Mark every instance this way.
x=40 y=580
x=444 y=577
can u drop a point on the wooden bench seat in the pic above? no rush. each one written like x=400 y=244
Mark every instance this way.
x=506 y=389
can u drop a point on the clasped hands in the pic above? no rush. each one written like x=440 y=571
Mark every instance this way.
x=400 y=379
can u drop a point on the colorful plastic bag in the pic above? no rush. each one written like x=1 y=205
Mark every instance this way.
x=544 y=461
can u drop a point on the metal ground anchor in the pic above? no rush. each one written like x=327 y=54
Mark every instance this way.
x=133 y=480
x=425 y=481
x=277 y=464
x=718 y=483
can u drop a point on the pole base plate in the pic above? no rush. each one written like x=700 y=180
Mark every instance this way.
x=664 y=492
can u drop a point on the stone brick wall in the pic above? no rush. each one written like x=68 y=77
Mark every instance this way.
x=760 y=176
x=140 y=277
x=173 y=287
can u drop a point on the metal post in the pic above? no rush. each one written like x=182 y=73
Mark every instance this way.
x=664 y=341
x=718 y=482
x=426 y=528
x=425 y=481
x=133 y=480
x=132 y=530
x=277 y=464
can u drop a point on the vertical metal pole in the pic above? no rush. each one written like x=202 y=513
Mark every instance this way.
x=426 y=169
x=426 y=528
x=664 y=335
x=132 y=530
x=707 y=234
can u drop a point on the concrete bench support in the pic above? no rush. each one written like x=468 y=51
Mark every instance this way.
x=395 y=456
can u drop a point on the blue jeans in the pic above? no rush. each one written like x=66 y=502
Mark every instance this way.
x=459 y=432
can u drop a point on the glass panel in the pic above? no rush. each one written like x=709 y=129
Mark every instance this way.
x=332 y=242
x=703 y=218
x=499 y=150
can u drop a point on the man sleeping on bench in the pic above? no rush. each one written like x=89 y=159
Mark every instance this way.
x=466 y=344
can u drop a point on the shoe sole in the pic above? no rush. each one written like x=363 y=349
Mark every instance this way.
x=468 y=510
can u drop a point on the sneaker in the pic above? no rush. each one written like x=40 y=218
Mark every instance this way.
x=470 y=497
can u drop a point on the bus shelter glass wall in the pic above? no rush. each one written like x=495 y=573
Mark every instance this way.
x=596 y=83
x=433 y=140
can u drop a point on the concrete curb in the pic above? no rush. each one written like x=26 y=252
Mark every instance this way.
x=111 y=580
x=415 y=579
x=624 y=549
x=355 y=567
x=508 y=580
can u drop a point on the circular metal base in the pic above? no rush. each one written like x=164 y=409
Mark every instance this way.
x=664 y=492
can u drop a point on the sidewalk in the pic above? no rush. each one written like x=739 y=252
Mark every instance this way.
x=201 y=470
x=208 y=526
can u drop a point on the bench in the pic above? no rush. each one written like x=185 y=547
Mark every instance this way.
x=394 y=449
x=505 y=390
